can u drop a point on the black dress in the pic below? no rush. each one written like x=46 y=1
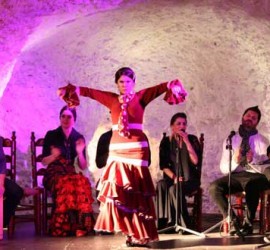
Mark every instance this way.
x=166 y=189
x=71 y=191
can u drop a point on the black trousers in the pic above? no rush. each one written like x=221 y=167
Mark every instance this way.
x=12 y=196
x=252 y=183
x=267 y=173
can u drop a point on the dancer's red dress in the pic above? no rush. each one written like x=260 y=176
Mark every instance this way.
x=126 y=188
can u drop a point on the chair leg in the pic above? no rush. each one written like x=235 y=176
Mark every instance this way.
x=264 y=212
x=37 y=212
x=267 y=211
x=44 y=211
x=199 y=210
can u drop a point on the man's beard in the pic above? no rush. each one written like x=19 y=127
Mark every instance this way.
x=248 y=124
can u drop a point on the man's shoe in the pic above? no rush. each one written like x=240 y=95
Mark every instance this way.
x=232 y=231
x=235 y=227
x=267 y=239
x=247 y=229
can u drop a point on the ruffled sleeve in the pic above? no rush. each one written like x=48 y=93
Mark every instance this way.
x=70 y=97
x=176 y=93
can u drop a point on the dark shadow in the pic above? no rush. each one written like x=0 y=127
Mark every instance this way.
x=188 y=242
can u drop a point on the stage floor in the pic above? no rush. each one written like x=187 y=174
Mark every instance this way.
x=25 y=239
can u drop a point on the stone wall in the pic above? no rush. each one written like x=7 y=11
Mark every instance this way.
x=219 y=50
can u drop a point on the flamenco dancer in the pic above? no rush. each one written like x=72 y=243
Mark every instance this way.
x=126 y=188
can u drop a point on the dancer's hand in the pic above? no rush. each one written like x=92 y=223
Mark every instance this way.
x=177 y=88
x=176 y=93
x=61 y=92
x=70 y=94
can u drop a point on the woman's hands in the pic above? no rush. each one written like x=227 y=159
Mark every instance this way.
x=181 y=179
x=80 y=146
x=183 y=137
x=55 y=154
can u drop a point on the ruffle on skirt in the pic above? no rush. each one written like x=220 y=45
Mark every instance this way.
x=126 y=195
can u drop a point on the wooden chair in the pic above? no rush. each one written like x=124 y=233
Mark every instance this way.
x=194 y=200
x=9 y=146
x=265 y=211
x=22 y=210
x=38 y=171
x=196 y=203
x=1 y=216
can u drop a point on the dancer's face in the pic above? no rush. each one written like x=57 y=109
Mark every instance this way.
x=250 y=120
x=180 y=124
x=67 y=119
x=125 y=85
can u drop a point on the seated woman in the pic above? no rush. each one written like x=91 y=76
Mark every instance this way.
x=71 y=191
x=188 y=150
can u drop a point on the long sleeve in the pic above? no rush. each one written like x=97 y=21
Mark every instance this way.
x=104 y=97
x=259 y=144
x=149 y=94
x=46 y=151
x=225 y=157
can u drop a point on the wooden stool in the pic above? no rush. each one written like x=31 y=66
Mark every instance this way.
x=238 y=205
x=265 y=212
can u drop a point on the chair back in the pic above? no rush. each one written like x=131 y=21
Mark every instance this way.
x=201 y=141
x=9 y=147
x=38 y=171
x=36 y=158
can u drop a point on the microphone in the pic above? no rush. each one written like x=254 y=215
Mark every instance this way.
x=231 y=135
x=179 y=139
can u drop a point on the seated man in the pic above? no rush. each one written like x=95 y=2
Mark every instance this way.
x=267 y=174
x=248 y=147
x=13 y=193
x=179 y=151
x=267 y=170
